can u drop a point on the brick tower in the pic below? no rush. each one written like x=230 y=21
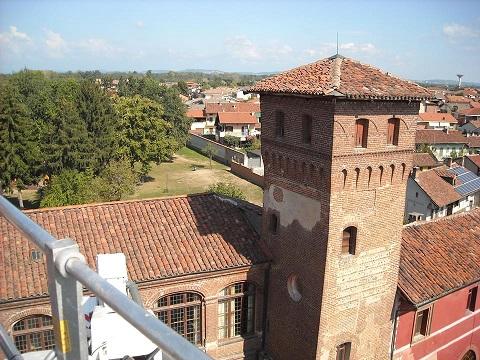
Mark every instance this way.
x=337 y=142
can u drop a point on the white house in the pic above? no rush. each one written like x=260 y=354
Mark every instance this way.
x=437 y=121
x=442 y=143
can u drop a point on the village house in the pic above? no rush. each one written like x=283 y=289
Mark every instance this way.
x=320 y=279
x=437 y=121
x=442 y=143
x=440 y=192
x=437 y=310
x=424 y=161
x=468 y=115
x=472 y=163
x=456 y=103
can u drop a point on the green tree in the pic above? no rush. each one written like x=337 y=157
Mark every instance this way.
x=70 y=187
x=116 y=181
x=210 y=151
x=96 y=111
x=142 y=132
x=227 y=189
x=182 y=87
x=454 y=154
x=232 y=141
x=19 y=155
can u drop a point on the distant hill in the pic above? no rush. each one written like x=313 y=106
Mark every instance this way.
x=449 y=83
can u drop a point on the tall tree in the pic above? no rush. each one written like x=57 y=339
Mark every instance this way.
x=142 y=132
x=19 y=155
x=96 y=111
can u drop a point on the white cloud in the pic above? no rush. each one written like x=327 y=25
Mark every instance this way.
x=56 y=45
x=14 y=40
x=457 y=31
x=97 y=46
x=242 y=48
x=139 y=24
x=328 y=49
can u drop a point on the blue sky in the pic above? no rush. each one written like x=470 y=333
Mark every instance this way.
x=414 y=39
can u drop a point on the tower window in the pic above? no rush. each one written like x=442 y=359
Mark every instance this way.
x=343 y=351
x=422 y=323
x=33 y=333
x=361 y=133
x=273 y=223
x=279 y=124
x=472 y=299
x=349 y=240
x=393 y=131
x=307 y=129
x=236 y=310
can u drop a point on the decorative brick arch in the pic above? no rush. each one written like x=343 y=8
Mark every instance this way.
x=150 y=301
x=37 y=310
x=228 y=283
x=335 y=123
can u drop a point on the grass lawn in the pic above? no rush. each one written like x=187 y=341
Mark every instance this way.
x=178 y=178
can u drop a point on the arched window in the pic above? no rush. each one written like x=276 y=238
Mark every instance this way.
x=183 y=313
x=349 y=240
x=393 y=131
x=392 y=173
x=470 y=355
x=361 y=133
x=403 y=170
x=380 y=175
x=369 y=169
x=33 y=333
x=236 y=310
x=343 y=351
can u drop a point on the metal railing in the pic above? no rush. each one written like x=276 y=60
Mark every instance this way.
x=67 y=271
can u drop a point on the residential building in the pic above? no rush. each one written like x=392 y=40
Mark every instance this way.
x=238 y=124
x=472 y=163
x=456 y=103
x=438 y=121
x=197 y=261
x=471 y=127
x=441 y=143
x=440 y=192
x=424 y=161
x=437 y=311
x=199 y=122
x=467 y=115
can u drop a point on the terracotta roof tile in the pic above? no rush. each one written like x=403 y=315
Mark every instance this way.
x=195 y=113
x=213 y=108
x=441 y=192
x=341 y=76
x=424 y=160
x=440 y=117
x=475 y=159
x=160 y=238
x=237 y=118
x=473 y=141
x=457 y=99
x=439 y=256
x=472 y=111
x=425 y=136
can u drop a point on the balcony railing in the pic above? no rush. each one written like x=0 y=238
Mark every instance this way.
x=67 y=272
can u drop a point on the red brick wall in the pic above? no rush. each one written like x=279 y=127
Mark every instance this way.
x=208 y=285
x=344 y=297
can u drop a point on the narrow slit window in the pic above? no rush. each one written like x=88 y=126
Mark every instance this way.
x=422 y=323
x=307 y=129
x=349 y=240
x=279 y=124
x=273 y=223
x=472 y=299
x=343 y=351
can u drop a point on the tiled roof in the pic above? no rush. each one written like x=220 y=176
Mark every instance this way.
x=475 y=123
x=457 y=99
x=341 y=76
x=195 y=113
x=475 y=104
x=438 y=190
x=473 y=141
x=424 y=160
x=251 y=107
x=161 y=238
x=237 y=118
x=472 y=111
x=440 y=117
x=424 y=136
x=439 y=256
x=474 y=159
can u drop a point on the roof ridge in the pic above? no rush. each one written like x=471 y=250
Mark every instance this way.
x=336 y=72
x=80 y=206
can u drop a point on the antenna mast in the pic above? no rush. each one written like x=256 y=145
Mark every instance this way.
x=337 y=42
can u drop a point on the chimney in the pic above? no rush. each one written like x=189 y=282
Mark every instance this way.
x=448 y=161
x=414 y=172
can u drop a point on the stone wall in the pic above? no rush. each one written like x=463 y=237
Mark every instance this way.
x=223 y=154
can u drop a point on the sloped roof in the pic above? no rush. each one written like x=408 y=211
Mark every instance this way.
x=195 y=113
x=438 y=190
x=474 y=159
x=237 y=118
x=424 y=160
x=341 y=76
x=472 y=112
x=161 y=238
x=213 y=108
x=457 y=99
x=428 y=136
x=439 y=256
x=440 y=117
